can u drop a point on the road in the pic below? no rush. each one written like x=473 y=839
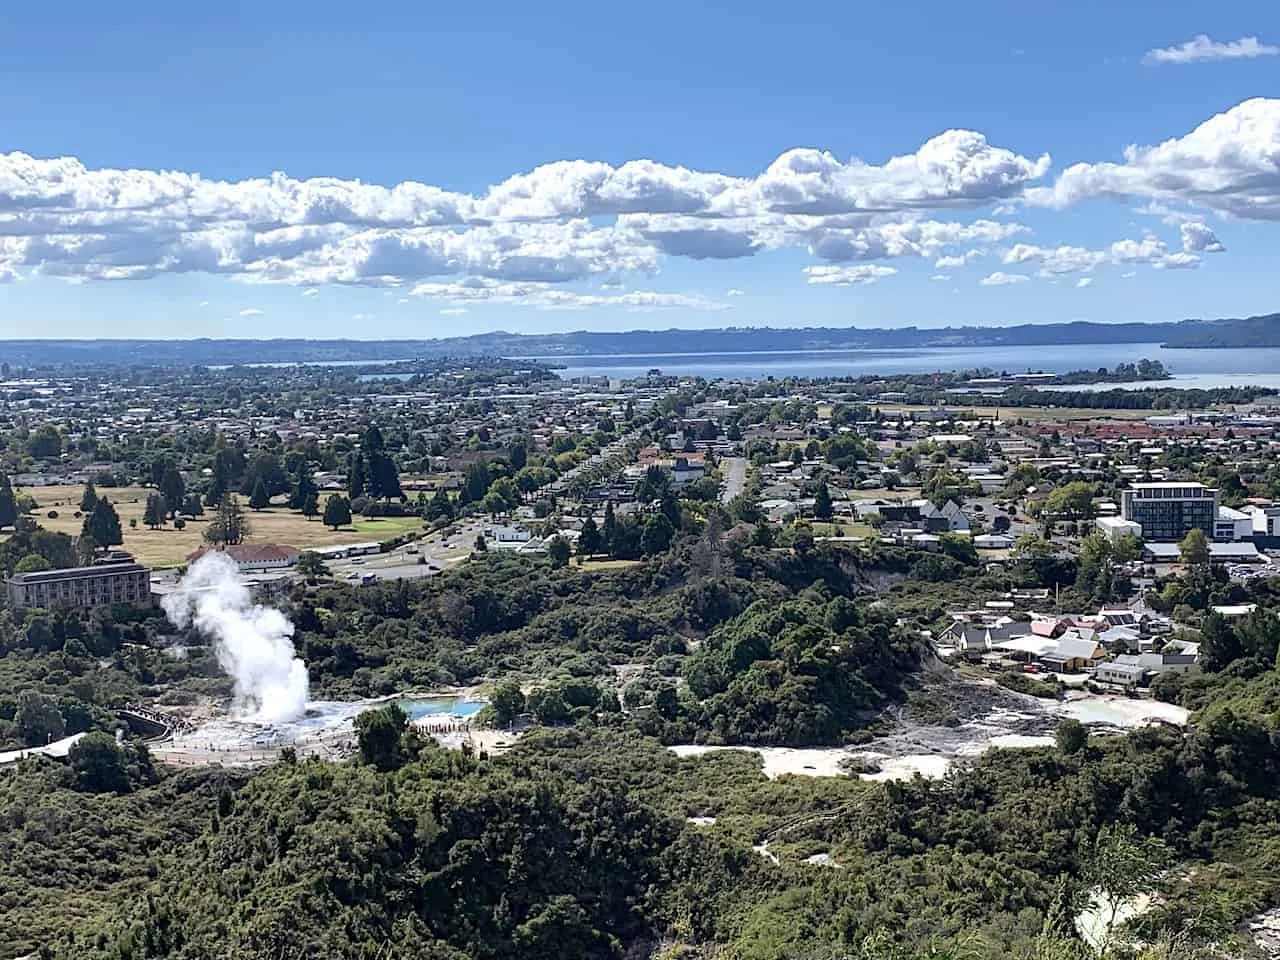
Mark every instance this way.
x=735 y=476
x=422 y=558
x=613 y=449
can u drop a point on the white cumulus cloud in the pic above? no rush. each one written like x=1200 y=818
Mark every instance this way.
x=1229 y=164
x=1198 y=238
x=1201 y=48
x=1084 y=282
x=543 y=235
x=1056 y=261
x=1001 y=279
x=859 y=275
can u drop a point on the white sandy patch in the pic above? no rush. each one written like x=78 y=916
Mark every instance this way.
x=1099 y=922
x=822 y=860
x=1123 y=712
x=764 y=851
x=702 y=821
x=928 y=765
x=802 y=761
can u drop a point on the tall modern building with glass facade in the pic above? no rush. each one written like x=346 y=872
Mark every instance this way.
x=1169 y=511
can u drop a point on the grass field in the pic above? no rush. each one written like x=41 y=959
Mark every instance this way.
x=168 y=547
x=596 y=566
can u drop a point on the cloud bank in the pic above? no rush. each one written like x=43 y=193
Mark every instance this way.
x=565 y=234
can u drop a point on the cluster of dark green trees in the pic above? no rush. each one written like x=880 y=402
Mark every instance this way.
x=591 y=840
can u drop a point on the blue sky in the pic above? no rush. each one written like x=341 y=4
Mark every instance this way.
x=771 y=195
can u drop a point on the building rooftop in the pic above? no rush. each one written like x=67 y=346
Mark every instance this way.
x=78 y=573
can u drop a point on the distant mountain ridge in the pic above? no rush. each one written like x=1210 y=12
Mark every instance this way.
x=1259 y=331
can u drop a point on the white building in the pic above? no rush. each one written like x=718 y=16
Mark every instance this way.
x=1113 y=528
x=251 y=557
x=1266 y=520
x=1232 y=525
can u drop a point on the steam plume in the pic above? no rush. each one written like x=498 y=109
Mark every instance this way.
x=252 y=642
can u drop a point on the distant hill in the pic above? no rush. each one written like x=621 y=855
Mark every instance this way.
x=1263 y=331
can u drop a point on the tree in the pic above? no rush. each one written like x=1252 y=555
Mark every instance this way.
x=482 y=545
x=1099 y=576
x=1071 y=736
x=154 y=513
x=88 y=499
x=192 y=507
x=216 y=490
x=476 y=481
x=517 y=455
x=379 y=734
x=665 y=702
x=384 y=478
x=822 y=506
x=45 y=443
x=507 y=701
x=8 y=506
x=265 y=467
x=1118 y=865
x=229 y=525
x=558 y=551
x=38 y=719
x=547 y=706
x=1219 y=645
x=99 y=764
x=1194 y=548
x=610 y=531
x=656 y=535
x=337 y=511
x=173 y=488
x=590 y=542
x=103 y=525
x=32 y=563
x=381 y=479
x=311 y=505
x=1073 y=501
x=356 y=476
x=440 y=507
x=303 y=487
x=260 y=497
x=311 y=565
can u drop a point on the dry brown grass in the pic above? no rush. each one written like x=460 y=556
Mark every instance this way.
x=168 y=547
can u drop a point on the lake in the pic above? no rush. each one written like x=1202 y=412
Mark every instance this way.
x=1191 y=368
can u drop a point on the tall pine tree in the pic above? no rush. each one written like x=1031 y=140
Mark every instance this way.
x=103 y=524
x=8 y=505
x=173 y=488
x=356 y=476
